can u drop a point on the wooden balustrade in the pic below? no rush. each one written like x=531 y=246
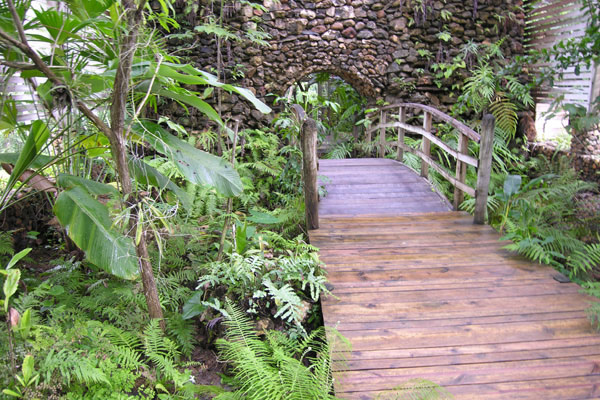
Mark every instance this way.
x=386 y=118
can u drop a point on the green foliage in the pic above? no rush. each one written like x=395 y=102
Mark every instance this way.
x=542 y=220
x=275 y=368
x=90 y=226
x=281 y=282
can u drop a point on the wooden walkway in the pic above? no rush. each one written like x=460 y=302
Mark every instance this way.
x=421 y=292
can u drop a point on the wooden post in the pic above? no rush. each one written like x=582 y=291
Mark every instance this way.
x=461 y=169
x=484 y=170
x=426 y=144
x=382 y=120
x=309 y=173
x=400 y=152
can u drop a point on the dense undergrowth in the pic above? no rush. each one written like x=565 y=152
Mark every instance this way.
x=227 y=251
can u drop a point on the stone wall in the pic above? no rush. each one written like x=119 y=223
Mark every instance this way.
x=384 y=48
x=588 y=165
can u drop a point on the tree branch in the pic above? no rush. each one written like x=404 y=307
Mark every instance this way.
x=55 y=79
x=18 y=65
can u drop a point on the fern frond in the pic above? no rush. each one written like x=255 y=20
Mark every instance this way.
x=505 y=113
x=586 y=259
x=289 y=305
x=6 y=244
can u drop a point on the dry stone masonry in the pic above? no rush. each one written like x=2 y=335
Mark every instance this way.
x=384 y=48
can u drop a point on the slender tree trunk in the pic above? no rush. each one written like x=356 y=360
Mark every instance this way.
x=115 y=132
x=119 y=150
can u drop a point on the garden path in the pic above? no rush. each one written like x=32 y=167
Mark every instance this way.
x=421 y=292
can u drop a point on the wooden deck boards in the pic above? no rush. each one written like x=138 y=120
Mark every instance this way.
x=423 y=293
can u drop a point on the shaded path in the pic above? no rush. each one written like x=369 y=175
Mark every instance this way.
x=421 y=292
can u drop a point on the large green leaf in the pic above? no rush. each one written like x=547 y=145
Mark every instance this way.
x=512 y=184
x=36 y=140
x=148 y=175
x=182 y=96
x=195 y=76
x=92 y=187
x=10 y=285
x=38 y=162
x=85 y=9
x=197 y=166
x=88 y=224
x=188 y=75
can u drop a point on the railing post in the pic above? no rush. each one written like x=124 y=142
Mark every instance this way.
x=461 y=169
x=426 y=144
x=402 y=118
x=309 y=173
x=382 y=120
x=486 y=147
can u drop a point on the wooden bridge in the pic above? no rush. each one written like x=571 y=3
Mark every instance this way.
x=422 y=292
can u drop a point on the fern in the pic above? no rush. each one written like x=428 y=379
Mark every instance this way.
x=6 y=244
x=586 y=258
x=289 y=305
x=163 y=353
x=183 y=331
x=339 y=151
x=275 y=369
x=505 y=113
x=73 y=365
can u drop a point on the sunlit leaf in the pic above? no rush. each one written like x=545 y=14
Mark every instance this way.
x=89 y=225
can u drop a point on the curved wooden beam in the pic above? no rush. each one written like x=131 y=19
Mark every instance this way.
x=462 y=128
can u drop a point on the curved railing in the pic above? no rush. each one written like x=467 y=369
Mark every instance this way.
x=394 y=116
x=381 y=121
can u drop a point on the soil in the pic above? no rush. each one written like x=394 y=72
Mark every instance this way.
x=207 y=372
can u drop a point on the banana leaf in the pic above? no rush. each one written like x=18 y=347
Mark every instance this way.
x=89 y=225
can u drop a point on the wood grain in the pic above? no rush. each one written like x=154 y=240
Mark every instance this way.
x=422 y=292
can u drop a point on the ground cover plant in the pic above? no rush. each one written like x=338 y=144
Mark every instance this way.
x=131 y=189
x=211 y=220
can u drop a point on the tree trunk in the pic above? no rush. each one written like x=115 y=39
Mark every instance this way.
x=118 y=144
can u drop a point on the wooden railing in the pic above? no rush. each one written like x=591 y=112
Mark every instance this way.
x=395 y=117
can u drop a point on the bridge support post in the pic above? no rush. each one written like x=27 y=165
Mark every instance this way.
x=309 y=172
x=486 y=147
x=382 y=120
x=402 y=119
x=426 y=144
x=461 y=170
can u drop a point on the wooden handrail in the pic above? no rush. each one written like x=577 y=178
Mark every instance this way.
x=461 y=127
x=461 y=154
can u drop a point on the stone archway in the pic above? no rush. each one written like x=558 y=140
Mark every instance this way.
x=363 y=85
x=384 y=48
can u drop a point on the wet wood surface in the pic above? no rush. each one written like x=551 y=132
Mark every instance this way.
x=421 y=292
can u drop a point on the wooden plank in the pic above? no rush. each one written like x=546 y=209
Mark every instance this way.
x=494 y=357
x=453 y=294
x=471 y=374
x=572 y=388
x=485 y=167
x=374 y=311
x=343 y=326
x=434 y=296
x=401 y=132
x=461 y=170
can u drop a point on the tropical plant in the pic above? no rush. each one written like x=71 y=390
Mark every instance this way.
x=540 y=216
x=277 y=367
x=109 y=87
